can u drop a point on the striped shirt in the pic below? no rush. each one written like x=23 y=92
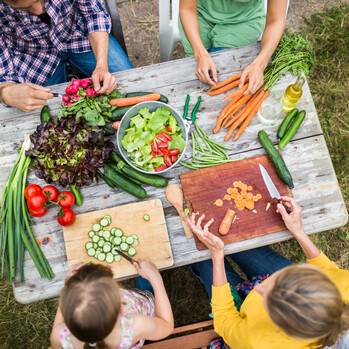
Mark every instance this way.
x=30 y=49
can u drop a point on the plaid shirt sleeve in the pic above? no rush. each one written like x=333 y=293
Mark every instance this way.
x=95 y=16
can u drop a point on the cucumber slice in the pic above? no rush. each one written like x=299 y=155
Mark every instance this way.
x=96 y=227
x=104 y=222
x=112 y=231
x=100 y=233
x=118 y=232
x=117 y=240
x=117 y=258
x=134 y=236
x=89 y=245
x=101 y=243
x=91 y=234
x=146 y=217
x=95 y=238
x=135 y=242
x=131 y=251
x=108 y=218
x=123 y=238
x=106 y=248
x=97 y=254
x=124 y=246
x=129 y=240
x=91 y=251
x=114 y=251
x=99 y=249
x=106 y=234
x=109 y=258
x=95 y=245
x=101 y=257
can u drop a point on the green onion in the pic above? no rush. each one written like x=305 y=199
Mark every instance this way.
x=15 y=232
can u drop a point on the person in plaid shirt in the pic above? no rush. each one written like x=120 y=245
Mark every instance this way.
x=38 y=37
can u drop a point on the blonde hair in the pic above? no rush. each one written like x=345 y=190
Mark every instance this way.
x=90 y=303
x=306 y=304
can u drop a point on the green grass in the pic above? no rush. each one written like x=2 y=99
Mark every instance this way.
x=29 y=326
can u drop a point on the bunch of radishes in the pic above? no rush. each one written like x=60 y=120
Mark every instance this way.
x=72 y=92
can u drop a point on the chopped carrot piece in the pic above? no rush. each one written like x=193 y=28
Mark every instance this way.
x=240 y=208
x=219 y=202
x=238 y=197
x=249 y=196
x=244 y=187
x=259 y=196
x=227 y=197
x=236 y=184
x=235 y=190
x=249 y=205
x=249 y=188
x=243 y=193
x=255 y=199
x=230 y=190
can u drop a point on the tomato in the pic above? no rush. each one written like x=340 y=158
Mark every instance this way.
x=31 y=189
x=160 y=168
x=36 y=201
x=38 y=213
x=174 y=151
x=169 y=137
x=66 y=217
x=162 y=138
x=167 y=160
x=65 y=199
x=168 y=128
x=52 y=192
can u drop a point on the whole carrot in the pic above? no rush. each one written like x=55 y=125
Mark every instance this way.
x=226 y=222
x=224 y=88
x=251 y=115
x=227 y=81
x=244 y=99
x=240 y=91
x=122 y=102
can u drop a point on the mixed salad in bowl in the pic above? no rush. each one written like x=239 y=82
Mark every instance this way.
x=154 y=140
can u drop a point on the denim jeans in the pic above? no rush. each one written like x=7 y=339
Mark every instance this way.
x=85 y=63
x=261 y=260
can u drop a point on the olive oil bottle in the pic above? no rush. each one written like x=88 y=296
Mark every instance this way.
x=292 y=95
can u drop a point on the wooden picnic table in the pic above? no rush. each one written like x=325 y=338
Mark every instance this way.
x=316 y=187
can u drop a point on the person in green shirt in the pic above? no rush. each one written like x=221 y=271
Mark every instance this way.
x=210 y=25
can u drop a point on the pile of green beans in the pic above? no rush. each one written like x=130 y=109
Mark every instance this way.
x=210 y=153
x=15 y=233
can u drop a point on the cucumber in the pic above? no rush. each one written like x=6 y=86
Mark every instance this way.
x=109 y=130
x=108 y=181
x=153 y=180
x=286 y=122
x=117 y=169
x=276 y=158
x=292 y=129
x=119 y=113
x=123 y=183
x=163 y=98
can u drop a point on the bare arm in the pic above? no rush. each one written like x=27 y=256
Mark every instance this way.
x=293 y=222
x=274 y=27
x=190 y=23
x=100 y=42
x=162 y=324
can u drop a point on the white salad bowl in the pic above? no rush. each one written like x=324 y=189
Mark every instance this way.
x=125 y=124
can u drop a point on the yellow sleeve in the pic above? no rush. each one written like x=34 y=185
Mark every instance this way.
x=227 y=321
x=322 y=262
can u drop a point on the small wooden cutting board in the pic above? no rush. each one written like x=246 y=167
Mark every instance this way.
x=154 y=243
x=203 y=187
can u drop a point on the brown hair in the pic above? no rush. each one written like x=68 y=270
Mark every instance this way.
x=90 y=303
x=306 y=304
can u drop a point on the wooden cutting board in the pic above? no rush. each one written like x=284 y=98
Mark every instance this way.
x=154 y=243
x=202 y=187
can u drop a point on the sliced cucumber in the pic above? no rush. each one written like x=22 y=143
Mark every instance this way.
x=106 y=248
x=100 y=243
x=124 y=246
x=95 y=238
x=101 y=257
x=117 y=240
x=106 y=234
x=108 y=218
x=100 y=233
x=89 y=245
x=95 y=245
x=104 y=222
x=91 y=233
x=117 y=258
x=109 y=258
x=96 y=227
x=129 y=240
x=91 y=251
x=114 y=251
x=134 y=236
x=118 y=232
x=131 y=251
x=97 y=254
x=135 y=242
x=123 y=238
x=146 y=217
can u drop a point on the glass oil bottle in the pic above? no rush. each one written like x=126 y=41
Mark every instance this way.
x=292 y=94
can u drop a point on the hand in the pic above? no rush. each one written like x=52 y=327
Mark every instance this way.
x=109 y=81
x=147 y=270
x=25 y=96
x=205 y=64
x=293 y=220
x=73 y=269
x=256 y=79
x=213 y=243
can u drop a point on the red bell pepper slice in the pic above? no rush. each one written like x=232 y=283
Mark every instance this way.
x=166 y=135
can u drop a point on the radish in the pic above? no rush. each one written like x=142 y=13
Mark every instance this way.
x=88 y=80
x=74 y=89
x=66 y=99
x=76 y=97
x=90 y=92
x=95 y=94
x=67 y=90
x=84 y=83
x=68 y=104
x=76 y=82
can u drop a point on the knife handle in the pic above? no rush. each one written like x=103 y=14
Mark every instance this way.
x=286 y=208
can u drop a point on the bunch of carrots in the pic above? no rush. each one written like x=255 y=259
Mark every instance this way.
x=241 y=108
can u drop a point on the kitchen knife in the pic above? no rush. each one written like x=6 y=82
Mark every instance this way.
x=55 y=94
x=126 y=256
x=274 y=193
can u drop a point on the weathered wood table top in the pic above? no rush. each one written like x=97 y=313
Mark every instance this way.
x=316 y=187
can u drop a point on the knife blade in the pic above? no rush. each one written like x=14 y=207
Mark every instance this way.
x=55 y=94
x=274 y=193
x=126 y=256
